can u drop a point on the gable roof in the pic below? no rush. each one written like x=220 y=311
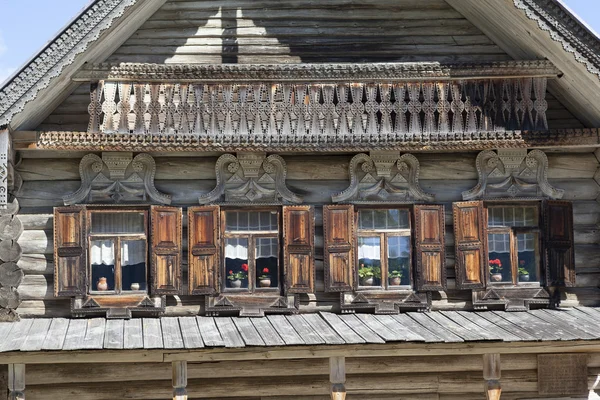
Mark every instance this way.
x=79 y=43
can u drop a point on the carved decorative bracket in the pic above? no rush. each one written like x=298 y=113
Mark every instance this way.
x=510 y=299
x=512 y=173
x=385 y=303
x=245 y=306
x=94 y=306
x=116 y=178
x=383 y=176
x=251 y=178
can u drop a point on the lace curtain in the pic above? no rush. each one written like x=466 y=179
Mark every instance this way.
x=238 y=248
x=132 y=252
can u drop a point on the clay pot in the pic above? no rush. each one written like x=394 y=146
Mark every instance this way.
x=367 y=281
x=264 y=282
x=524 y=278
x=135 y=286
x=102 y=285
x=395 y=281
x=236 y=284
x=497 y=277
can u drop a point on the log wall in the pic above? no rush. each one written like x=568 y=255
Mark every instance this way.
x=375 y=378
x=186 y=176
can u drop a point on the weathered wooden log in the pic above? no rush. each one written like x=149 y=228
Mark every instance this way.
x=34 y=264
x=37 y=287
x=10 y=250
x=9 y=298
x=10 y=275
x=36 y=221
x=10 y=227
x=12 y=207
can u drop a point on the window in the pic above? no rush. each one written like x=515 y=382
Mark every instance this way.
x=118 y=252
x=513 y=244
x=251 y=250
x=384 y=248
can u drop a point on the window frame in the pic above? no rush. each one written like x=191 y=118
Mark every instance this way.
x=384 y=234
x=513 y=231
x=251 y=236
x=117 y=238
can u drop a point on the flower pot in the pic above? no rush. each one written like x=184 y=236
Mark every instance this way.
x=524 y=278
x=496 y=277
x=135 y=286
x=367 y=281
x=265 y=282
x=395 y=281
x=236 y=284
x=102 y=285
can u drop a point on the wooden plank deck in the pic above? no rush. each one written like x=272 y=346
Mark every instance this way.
x=305 y=329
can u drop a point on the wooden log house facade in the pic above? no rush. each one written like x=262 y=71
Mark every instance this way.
x=263 y=200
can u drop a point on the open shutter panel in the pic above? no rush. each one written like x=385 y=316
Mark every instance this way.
x=470 y=234
x=429 y=246
x=203 y=254
x=338 y=223
x=166 y=250
x=298 y=250
x=559 y=254
x=69 y=251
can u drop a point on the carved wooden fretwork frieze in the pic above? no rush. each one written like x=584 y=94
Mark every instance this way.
x=250 y=306
x=250 y=178
x=512 y=173
x=319 y=112
x=117 y=177
x=383 y=176
x=510 y=299
x=95 y=306
x=384 y=302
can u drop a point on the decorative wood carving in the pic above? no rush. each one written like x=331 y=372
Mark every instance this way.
x=562 y=374
x=512 y=173
x=307 y=112
x=250 y=306
x=510 y=299
x=118 y=307
x=385 y=302
x=250 y=178
x=383 y=176
x=116 y=178
x=342 y=142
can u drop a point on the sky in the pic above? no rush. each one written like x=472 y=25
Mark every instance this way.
x=27 y=25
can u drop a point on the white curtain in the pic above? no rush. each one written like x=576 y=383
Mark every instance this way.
x=133 y=252
x=369 y=247
x=398 y=246
x=236 y=248
x=266 y=248
x=103 y=252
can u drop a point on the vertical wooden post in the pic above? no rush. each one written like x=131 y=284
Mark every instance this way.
x=5 y=169
x=337 y=377
x=179 y=380
x=16 y=381
x=491 y=374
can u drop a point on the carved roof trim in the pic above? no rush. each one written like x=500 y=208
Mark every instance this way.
x=315 y=72
x=180 y=142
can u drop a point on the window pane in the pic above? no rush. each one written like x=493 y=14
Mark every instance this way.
x=369 y=261
x=527 y=247
x=383 y=219
x=236 y=263
x=398 y=259
x=512 y=216
x=117 y=223
x=133 y=264
x=103 y=265
x=499 y=258
x=267 y=255
x=243 y=221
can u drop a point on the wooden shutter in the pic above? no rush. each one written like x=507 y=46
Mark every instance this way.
x=70 y=251
x=470 y=236
x=338 y=225
x=298 y=249
x=203 y=254
x=166 y=250
x=430 y=247
x=559 y=252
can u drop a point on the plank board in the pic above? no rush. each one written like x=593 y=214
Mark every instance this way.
x=489 y=326
x=566 y=329
x=304 y=329
x=538 y=328
x=209 y=332
x=285 y=330
x=361 y=329
x=465 y=328
x=17 y=335
x=113 y=334
x=152 y=333
x=75 y=334
x=94 y=334
x=56 y=335
x=229 y=333
x=432 y=326
x=248 y=332
x=190 y=333
x=324 y=330
x=395 y=330
x=581 y=320
x=506 y=325
x=412 y=325
x=267 y=332
x=342 y=328
x=36 y=336
x=171 y=333
x=133 y=334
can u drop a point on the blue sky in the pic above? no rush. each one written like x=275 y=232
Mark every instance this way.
x=26 y=25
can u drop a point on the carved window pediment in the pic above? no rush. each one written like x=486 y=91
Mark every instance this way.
x=512 y=173
x=250 y=178
x=383 y=176
x=117 y=177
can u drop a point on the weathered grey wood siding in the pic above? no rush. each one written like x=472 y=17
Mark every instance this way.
x=185 y=176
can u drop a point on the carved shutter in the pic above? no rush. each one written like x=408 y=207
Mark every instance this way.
x=559 y=254
x=298 y=249
x=470 y=236
x=338 y=225
x=70 y=251
x=166 y=250
x=429 y=247
x=203 y=254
